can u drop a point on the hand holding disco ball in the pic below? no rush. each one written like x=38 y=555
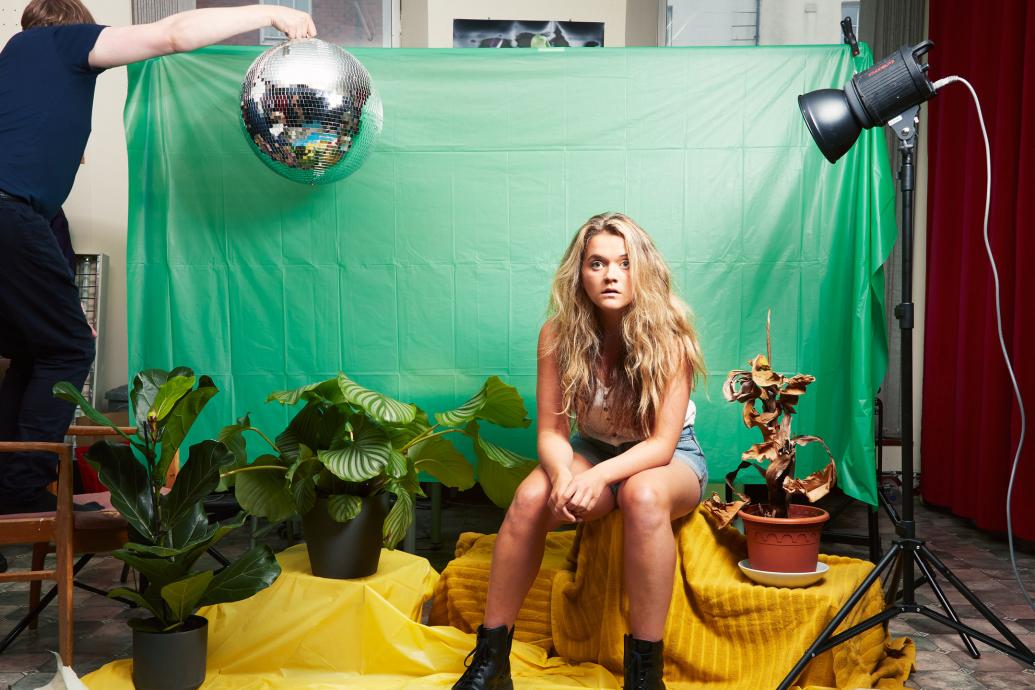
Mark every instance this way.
x=310 y=111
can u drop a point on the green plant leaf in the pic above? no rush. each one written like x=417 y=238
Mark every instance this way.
x=439 y=457
x=381 y=407
x=265 y=493
x=146 y=385
x=215 y=534
x=168 y=395
x=498 y=454
x=180 y=420
x=304 y=493
x=328 y=390
x=198 y=478
x=182 y=596
x=232 y=436
x=399 y=517
x=397 y=464
x=344 y=507
x=401 y=435
x=158 y=571
x=138 y=599
x=363 y=457
x=189 y=527
x=496 y=402
x=64 y=390
x=130 y=486
x=499 y=482
x=253 y=572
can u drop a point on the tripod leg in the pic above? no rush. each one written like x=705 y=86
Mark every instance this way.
x=811 y=652
x=967 y=642
x=891 y=591
x=978 y=604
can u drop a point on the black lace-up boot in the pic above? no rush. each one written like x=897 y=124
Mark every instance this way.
x=489 y=669
x=644 y=666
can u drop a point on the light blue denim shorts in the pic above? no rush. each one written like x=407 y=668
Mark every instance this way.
x=688 y=451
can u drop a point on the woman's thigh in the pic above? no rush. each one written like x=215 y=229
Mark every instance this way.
x=675 y=486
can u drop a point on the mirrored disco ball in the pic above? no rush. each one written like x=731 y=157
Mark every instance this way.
x=310 y=111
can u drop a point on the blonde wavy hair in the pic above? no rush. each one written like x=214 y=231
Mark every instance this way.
x=658 y=339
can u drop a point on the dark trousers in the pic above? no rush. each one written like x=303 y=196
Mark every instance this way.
x=45 y=334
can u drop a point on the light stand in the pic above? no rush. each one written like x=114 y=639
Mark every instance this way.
x=907 y=550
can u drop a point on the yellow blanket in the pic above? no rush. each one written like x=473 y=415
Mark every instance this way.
x=723 y=631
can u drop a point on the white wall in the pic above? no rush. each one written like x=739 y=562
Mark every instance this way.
x=438 y=16
x=799 y=22
x=97 y=207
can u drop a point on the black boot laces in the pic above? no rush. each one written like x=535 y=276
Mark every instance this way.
x=477 y=671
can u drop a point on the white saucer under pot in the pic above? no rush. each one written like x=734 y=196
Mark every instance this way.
x=765 y=577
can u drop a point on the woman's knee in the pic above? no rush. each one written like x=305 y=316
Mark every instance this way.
x=530 y=498
x=644 y=504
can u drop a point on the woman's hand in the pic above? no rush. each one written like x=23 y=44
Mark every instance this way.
x=585 y=490
x=560 y=493
x=294 y=23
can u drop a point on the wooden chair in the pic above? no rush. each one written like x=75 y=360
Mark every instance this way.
x=55 y=527
x=65 y=533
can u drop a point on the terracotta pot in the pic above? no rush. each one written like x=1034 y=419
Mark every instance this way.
x=784 y=545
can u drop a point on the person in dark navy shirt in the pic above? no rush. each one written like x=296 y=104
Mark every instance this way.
x=47 y=76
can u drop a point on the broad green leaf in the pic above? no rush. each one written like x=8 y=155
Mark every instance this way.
x=401 y=435
x=146 y=385
x=315 y=425
x=397 y=464
x=439 y=457
x=168 y=395
x=196 y=480
x=66 y=391
x=304 y=493
x=324 y=389
x=158 y=571
x=120 y=471
x=498 y=454
x=138 y=599
x=381 y=407
x=499 y=482
x=363 y=457
x=399 y=518
x=232 y=436
x=264 y=492
x=496 y=402
x=344 y=507
x=254 y=571
x=190 y=526
x=182 y=596
x=181 y=419
x=216 y=533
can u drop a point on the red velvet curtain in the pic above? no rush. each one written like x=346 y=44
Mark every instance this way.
x=971 y=421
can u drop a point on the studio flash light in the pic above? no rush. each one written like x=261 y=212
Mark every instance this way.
x=836 y=117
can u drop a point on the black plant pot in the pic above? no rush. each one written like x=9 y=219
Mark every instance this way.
x=172 y=660
x=345 y=550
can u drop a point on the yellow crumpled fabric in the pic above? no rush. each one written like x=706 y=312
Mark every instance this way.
x=311 y=633
x=723 y=631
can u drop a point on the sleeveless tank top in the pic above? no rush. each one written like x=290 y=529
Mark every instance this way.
x=597 y=422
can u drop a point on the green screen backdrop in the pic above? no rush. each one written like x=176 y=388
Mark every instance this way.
x=429 y=269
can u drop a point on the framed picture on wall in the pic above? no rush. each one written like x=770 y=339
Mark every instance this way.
x=515 y=33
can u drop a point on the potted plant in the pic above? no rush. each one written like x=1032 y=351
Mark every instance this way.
x=782 y=536
x=350 y=449
x=169 y=531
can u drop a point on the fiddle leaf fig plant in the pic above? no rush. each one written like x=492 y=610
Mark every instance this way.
x=348 y=442
x=169 y=530
x=770 y=400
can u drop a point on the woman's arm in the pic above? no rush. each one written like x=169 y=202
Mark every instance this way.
x=553 y=429
x=184 y=31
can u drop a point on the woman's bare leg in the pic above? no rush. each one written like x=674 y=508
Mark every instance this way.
x=649 y=501
x=521 y=542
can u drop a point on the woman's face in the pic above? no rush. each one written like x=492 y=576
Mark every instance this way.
x=605 y=273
